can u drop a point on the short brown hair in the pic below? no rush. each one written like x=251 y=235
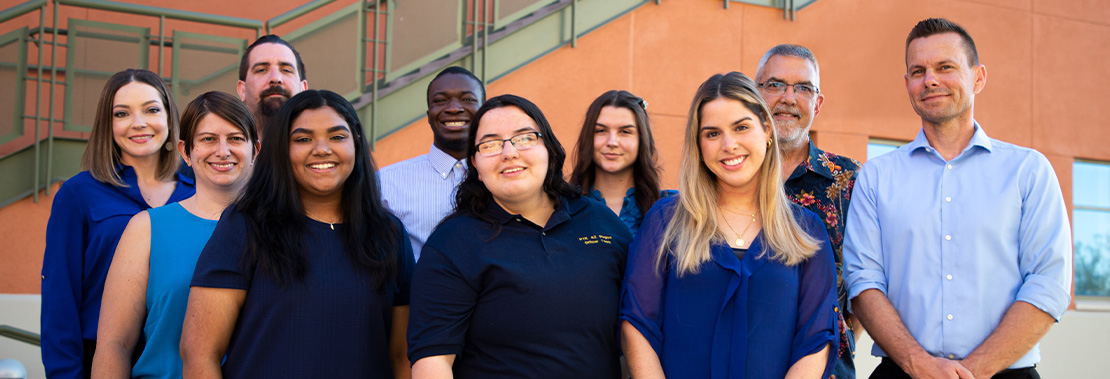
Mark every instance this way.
x=933 y=26
x=223 y=106
x=102 y=155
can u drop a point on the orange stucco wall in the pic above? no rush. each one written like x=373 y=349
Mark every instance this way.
x=1046 y=62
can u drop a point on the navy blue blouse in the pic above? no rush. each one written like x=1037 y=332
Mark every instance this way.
x=750 y=318
x=86 y=222
x=528 y=302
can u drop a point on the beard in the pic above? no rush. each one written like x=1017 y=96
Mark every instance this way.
x=269 y=106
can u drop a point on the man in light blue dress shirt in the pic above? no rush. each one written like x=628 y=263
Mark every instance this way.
x=421 y=190
x=957 y=249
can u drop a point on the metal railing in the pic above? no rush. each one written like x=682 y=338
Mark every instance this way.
x=20 y=335
x=376 y=63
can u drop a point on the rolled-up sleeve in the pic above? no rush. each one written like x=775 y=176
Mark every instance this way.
x=642 y=294
x=66 y=238
x=817 y=305
x=1044 y=252
x=863 y=252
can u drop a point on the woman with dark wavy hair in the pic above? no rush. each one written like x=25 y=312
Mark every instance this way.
x=615 y=157
x=130 y=166
x=523 y=279
x=307 y=275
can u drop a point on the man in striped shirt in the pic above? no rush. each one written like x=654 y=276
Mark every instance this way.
x=421 y=190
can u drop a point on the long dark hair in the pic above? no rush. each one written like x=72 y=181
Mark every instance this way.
x=276 y=218
x=645 y=170
x=473 y=197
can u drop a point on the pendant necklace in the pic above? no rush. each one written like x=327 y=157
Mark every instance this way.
x=310 y=215
x=739 y=236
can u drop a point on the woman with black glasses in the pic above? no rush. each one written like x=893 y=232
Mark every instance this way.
x=523 y=279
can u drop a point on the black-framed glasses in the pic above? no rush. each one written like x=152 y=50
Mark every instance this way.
x=800 y=89
x=520 y=141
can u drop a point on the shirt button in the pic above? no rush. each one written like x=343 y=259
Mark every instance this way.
x=543 y=233
x=44 y=276
x=929 y=149
x=948 y=238
x=444 y=175
x=948 y=200
x=949 y=167
x=951 y=356
x=949 y=317
x=949 y=277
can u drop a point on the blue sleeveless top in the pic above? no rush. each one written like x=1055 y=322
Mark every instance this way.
x=176 y=239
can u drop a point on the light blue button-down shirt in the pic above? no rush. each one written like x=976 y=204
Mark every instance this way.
x=421 y=192
x=953 y=244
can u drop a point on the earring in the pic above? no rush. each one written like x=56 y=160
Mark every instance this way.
x=169 y=146
x=768 y=143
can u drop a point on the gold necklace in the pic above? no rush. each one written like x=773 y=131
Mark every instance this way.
x=312 y=216
x=739 y=236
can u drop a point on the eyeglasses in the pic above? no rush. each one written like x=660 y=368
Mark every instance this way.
x=800 y=89
x=520 y=141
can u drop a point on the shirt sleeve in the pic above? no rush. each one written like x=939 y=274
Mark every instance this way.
x=443 y=300
x=863 y=251
x=817 y=307
x=405 y=265
x=642 y=295
x=1044 y=251
x=221 y=262
x=66 y=237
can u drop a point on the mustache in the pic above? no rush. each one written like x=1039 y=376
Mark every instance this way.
x=783 y=108
x=928 y=93
x=275 y=90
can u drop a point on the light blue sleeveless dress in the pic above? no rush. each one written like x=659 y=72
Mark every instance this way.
x=176 y=240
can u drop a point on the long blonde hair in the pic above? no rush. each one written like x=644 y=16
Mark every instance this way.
x=693 y=227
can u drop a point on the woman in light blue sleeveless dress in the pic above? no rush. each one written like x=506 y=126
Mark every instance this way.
x=148 y=283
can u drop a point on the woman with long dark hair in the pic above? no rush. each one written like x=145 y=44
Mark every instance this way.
x=615 y=157
x=130 y=166
x=729 y=278
x=307 y=275
x=148 y=284
x=523 y=279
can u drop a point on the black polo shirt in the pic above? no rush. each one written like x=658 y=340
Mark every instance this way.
x=530 y=302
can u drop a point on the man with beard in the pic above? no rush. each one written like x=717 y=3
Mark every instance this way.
x=957 y=254
x=421 y=191
x=789 y=80
x=270 y=72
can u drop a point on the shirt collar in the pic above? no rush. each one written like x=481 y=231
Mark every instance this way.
x=979 y=138
x=813 y=164
x=442 y=162
x=564 y=209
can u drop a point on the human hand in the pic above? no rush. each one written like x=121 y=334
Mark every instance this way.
x=939 y=368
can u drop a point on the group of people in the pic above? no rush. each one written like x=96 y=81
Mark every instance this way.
x=280 y=250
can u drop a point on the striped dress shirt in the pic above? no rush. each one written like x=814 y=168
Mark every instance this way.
x=421 y=192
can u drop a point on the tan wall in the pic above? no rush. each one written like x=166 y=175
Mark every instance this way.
x=1046 y=61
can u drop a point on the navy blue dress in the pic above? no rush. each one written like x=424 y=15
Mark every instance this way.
x=86 y=222
x=750 y=318
x=330 y=324
x=526 y=302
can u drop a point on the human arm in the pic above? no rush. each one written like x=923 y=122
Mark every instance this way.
x=209 y=321
x=66 y=239
x=643 y=363
x=398 y=347
x=434 y=367
x=886 y=328
x=1044 y=253
x=123 y=307
x=810 y=366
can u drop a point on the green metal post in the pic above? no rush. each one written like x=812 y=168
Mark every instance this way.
x=161 y=41
x=38 y=103
x=474 y=36
x=53 y=87
x=374 y=76
x=573 y=23
x=485 y=35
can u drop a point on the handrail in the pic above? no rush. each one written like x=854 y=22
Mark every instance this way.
x=21 y=9
x=167 y=12
x=20 y=335
x=283 y=18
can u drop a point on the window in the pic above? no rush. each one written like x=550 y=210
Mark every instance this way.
x=877 y=147
x=1091 y=227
